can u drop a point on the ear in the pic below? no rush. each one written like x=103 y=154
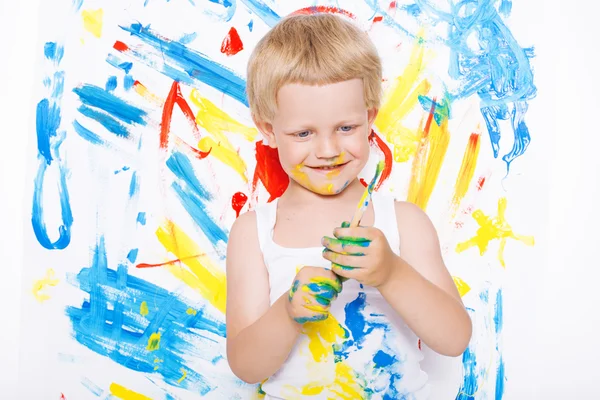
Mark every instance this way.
x=266 y=130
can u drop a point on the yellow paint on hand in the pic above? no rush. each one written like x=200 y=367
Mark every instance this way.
x=322 y=335
x=467 y=170
x=153 y=342
x=461 y=285
x=224 y=153
x=144 y=309
x=217 y=122
x=400 y=100
x=491 y=229
x=123 y=393
x=191 y=311
x=184 y=372
x=41 y=284
x=92 y=21
x=203 y=275
x=428 y=161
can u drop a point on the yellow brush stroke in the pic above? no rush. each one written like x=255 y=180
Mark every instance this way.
x=203 y=275
x=184 y=372
x=126 y=394
x=461 y=285
x=153 y=342
x=346 y=385
x=400 y=100
x=491 y=229
x=222 y=152
x=322 y=335
x=144 y=309
x=466 y=172
x=41 y=284
x=92 y=21
x=145 y=93
x=217 y=122
x=428 y=163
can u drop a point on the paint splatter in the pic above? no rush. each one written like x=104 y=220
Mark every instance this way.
x=379 y=144
x=467 y=170
x=269 y=171
x=496 y=228
x=324 y=9
x=153 y=342
x=40 y=285
x=232 y=44
x=238 y=201
x=461 y=285
x=92 y=21
x=123 y=393
x=144 y=309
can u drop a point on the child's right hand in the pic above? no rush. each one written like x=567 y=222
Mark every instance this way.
x=312 y=292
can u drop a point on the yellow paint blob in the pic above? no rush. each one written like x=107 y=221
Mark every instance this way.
x=191 y=311
x=123 y=393
x=153 y=342
x=184 y=372
x=461 y=285
x=144 y=309
x=201 y=274
x=41 y=284
x=224 y=153
x=322 y=335
x=92 y=21
x=496 y=228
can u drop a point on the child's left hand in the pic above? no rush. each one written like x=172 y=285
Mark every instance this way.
x=361 y=253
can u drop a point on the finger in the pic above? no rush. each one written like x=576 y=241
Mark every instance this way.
x=357 y=234
x=321 y=296
x=312 y=318
x=345 y=260
x=345 y=272
x=324 y=283
x=345 y=247
x=293 y=289
x=346 y=224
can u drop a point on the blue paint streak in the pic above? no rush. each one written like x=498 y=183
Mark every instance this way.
x=47 y=123
x=469 y=386
x=109 y=324
x=500 y=379
x=412 y=9
x=193 y=205
x=92 y=387
x=111 y=124
x=182 y=167
x=87 y=134
x=97 y=97
x=141 y=218
x=111 y=83
x=132 y=255
x=118 y=63
x=77 y=4
x=133 y=185
x=128 y=82
x=189 y=38
x=54 y=52
x=383 y=359
x=250 y=25
x=226 y=16
x=263 y=11
x=196 y=65
x=498 y=317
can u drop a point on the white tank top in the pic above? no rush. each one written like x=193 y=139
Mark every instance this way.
x=364 y=349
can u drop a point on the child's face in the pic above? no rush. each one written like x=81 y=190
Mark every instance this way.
x=321 y=133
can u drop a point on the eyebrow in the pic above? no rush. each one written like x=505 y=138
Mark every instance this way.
x=350 y=120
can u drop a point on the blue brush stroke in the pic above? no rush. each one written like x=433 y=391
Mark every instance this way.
x=110 y=325
x=111 y=124
x=226 y=16
x=188 y=38
x=498 y=317
x=182 y=167
x=128 y=82
x=141 y=218
x=77 y=4
x=132 y=255
x=263 y=11
x=49 y=140
x=196 y=65
x=469 y=386
x=250 y=25
x=133 y=185
x=118 y=63
x=383 y=359
x=111 y=83
x=92 y=387
x=97 y=97
x=500 y=379
x=87 y=134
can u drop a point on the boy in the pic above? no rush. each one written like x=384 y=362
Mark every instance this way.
x=314 y=88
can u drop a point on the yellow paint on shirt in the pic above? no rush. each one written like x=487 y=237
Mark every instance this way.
x=144 y=309
x=399 y=101
x=347 y=385
x=461 y=285
x=202 y=274
x=496 y=228
x=322 y=335
x=123 y=393
x=41 y=284
x=92 y=21
x=153 y=342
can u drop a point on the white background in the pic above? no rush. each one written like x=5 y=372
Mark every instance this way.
x=557 y=355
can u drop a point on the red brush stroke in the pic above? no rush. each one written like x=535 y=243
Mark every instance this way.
x=269 y=171
x=323 y=9
x=480 y=183
x=120 y=46
x=144 y=265
x=375 y=140
x=232 y=44
x=392 y=5
x=363 y=182
x=419 y=344
x=238 y=201
x=429 y=119
x=379 y=18
x=175 y=97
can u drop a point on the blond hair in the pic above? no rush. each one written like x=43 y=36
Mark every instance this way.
x=315 y=49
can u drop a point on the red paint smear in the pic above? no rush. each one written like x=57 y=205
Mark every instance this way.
x=175 y=97
x=392 y=5
x=144 y=265
x=419 y=344
x=62 y=397
x=378 y=19
x=232 y=44
x=429 y=119
x=387 y=156
x=363 y=182
x=238 y=201
x=323 y=9
x=459 y=224
x=480 y=183
x=269 y=171
x=120 y=46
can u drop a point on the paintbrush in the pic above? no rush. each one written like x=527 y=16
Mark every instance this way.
x=366 y=197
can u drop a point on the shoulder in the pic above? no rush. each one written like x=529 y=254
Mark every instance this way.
x=411 y=218
x=245 y=223
x=243 y=234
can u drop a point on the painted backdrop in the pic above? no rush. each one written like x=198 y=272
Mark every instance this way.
x=145 y=154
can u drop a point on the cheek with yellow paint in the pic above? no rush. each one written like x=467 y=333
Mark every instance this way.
x=304 y=180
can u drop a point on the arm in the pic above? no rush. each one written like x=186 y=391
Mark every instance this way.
x=421 y=289
x=259 y=336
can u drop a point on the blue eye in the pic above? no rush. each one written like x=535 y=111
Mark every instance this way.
x=303 y=134
x=346 y=128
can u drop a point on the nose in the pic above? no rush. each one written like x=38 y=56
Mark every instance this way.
x=327 y=146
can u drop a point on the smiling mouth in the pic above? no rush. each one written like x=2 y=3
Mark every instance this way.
x=328 y=168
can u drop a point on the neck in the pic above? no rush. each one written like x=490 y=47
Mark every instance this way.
x=298 y=194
